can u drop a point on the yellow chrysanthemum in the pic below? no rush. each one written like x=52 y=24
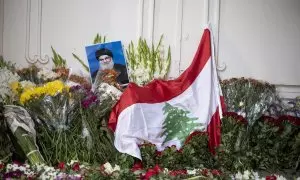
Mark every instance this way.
x=15 y=87
x=50 y=88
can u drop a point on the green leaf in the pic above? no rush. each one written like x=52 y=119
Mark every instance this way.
x=81 y=62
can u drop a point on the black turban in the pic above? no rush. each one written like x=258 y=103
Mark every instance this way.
x=103 y=51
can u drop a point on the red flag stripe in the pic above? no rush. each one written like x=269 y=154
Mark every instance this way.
x=165 y=90
x=214 y=131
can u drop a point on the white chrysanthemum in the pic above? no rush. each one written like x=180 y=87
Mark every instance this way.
x=116 y=168
x=278 y=177
x=255 y=175
x=6 y=78
x=108 y=168
x=9 y=167
x=47 y=74
x=238 y=176
x=107 y=90
x=26 y=84
x=246 y=175
x=192 y=172
x=29 y=173
x=241 y=104
x=48 y=173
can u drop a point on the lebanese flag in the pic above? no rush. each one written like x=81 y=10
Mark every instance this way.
x=162 y=112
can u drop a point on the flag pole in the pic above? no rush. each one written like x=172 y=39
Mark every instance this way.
x=216 y=79
x=206 y=12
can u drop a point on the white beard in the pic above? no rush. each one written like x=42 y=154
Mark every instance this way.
x=104 y=66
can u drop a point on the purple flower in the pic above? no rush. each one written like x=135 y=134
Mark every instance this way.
x=89 y=100
x=13 y=174
x=85 y=103
x=75 y=88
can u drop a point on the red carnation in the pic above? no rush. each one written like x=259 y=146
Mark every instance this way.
x=1 y=166
x=178 y=172
x=61 y=165
x=158 y=153
x=157 y=168
x=216 y=172
x=271 y=177
x=205 y=172
x=76 y=167
x=151 y=172
x=137 y=166
x=17 y=163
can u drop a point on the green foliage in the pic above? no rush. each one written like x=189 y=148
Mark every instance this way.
x=263 y=145
x=147 y=57
x=270 y=146
x=289 y=146
x=267 y=147
x=7 y=64
x=119 y=175
x=125 y=161
x=68 y=131
x=232 y=153
x=177 y=124
x=148 y=152
x=194 y=154
x=58 y=60
x=81 y=62
x=99 y=39
x=84 y=140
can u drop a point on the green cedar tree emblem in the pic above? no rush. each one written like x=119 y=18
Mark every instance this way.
x=177 y=124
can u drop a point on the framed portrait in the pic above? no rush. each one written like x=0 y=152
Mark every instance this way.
x=107 y=63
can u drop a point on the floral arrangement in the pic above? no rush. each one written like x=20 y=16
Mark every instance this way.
x=51 y=89
x=146 y=62
x=248 y=97
x=53 y=116
x=76 y=171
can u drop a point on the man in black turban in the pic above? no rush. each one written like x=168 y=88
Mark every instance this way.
x=105 y=58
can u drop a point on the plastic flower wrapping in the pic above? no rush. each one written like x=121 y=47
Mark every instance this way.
x=248 y=97
x=22 y=126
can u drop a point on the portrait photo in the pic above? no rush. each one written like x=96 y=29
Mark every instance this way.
x=107 y=63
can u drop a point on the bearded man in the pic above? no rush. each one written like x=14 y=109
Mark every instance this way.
x=105 y=58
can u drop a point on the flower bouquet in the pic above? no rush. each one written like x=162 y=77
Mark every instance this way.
x=22 y=127
x=68 y=123
x=248 y=97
